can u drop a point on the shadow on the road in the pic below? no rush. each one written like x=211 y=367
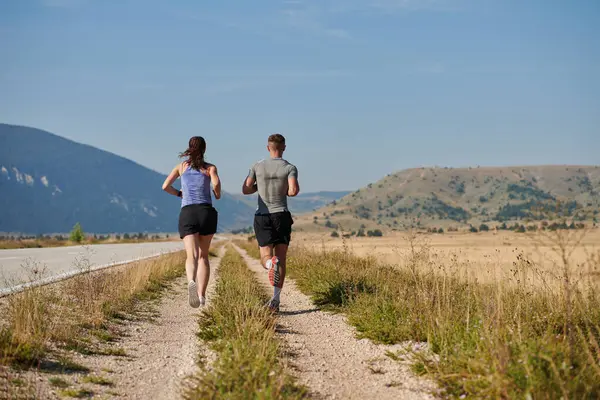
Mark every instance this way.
x=62 y=366
x=299 y=312
x=285 y=330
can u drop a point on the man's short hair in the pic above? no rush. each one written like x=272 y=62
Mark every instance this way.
x=277 y=140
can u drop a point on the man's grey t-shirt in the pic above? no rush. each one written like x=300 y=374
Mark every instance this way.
x=271 y=177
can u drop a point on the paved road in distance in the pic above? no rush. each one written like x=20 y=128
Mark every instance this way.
x=16 y=265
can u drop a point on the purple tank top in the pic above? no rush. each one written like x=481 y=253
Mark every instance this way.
x=195 y=186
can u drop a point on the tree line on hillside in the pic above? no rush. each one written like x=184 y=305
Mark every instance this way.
x=246 y=230
x=360 y=233
x=516 y=227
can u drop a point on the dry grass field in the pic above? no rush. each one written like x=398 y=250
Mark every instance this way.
x=485 y=256
x=505 y=315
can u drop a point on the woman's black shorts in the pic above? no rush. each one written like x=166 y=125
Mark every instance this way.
x=198 y=218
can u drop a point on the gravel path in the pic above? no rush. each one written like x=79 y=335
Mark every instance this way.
x=330 y=360
x=160 y=352
x=164 y=352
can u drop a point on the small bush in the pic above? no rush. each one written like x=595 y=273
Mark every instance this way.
x=76 y=234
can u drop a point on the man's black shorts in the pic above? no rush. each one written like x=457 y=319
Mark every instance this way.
x=198 y=218
x=273 y=229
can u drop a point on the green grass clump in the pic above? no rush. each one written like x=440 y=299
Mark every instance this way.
x=98 y=380
x=17 y=352
x=114 y=351
x=67 y=365
x=76 y=393
x=58 y=382
x=241 y=331
x=492 y=340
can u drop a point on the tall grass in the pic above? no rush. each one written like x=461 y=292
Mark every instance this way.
x=251 y=247
x=513 y=339
x=241 y=332
x=67 y=313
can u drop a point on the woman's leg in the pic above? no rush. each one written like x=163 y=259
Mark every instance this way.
x=204 y=265
x=191 y=262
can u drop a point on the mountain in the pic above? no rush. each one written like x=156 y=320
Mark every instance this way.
x=49 y=183
x=304 y=202
x=445 y=197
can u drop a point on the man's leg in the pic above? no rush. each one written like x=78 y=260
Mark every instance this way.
x=280 y=251
x=266 y=254
x=282 y=223
x=281 y=254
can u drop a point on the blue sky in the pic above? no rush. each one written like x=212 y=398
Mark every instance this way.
x=360 y=88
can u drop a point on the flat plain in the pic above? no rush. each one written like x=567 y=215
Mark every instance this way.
x=485 y=256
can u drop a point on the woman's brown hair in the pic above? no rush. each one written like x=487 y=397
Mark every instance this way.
x=195 y=152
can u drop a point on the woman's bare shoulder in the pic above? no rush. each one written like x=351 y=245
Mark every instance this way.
x=183 y=166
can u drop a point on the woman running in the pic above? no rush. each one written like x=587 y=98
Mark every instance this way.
x=197 y=218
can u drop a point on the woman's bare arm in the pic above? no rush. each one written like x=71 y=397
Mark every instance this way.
x=215 y=180
x=168 y=183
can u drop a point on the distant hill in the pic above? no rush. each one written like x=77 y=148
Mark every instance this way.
x=48 y=183
x=445 y=197
x=304 y=202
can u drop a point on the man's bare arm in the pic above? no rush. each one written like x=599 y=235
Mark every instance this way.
x=293 y=186
x=249 y=186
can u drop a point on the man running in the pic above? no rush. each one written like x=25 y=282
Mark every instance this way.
x=275 y=179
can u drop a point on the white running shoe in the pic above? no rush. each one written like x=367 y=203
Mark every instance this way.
x=193 y=295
